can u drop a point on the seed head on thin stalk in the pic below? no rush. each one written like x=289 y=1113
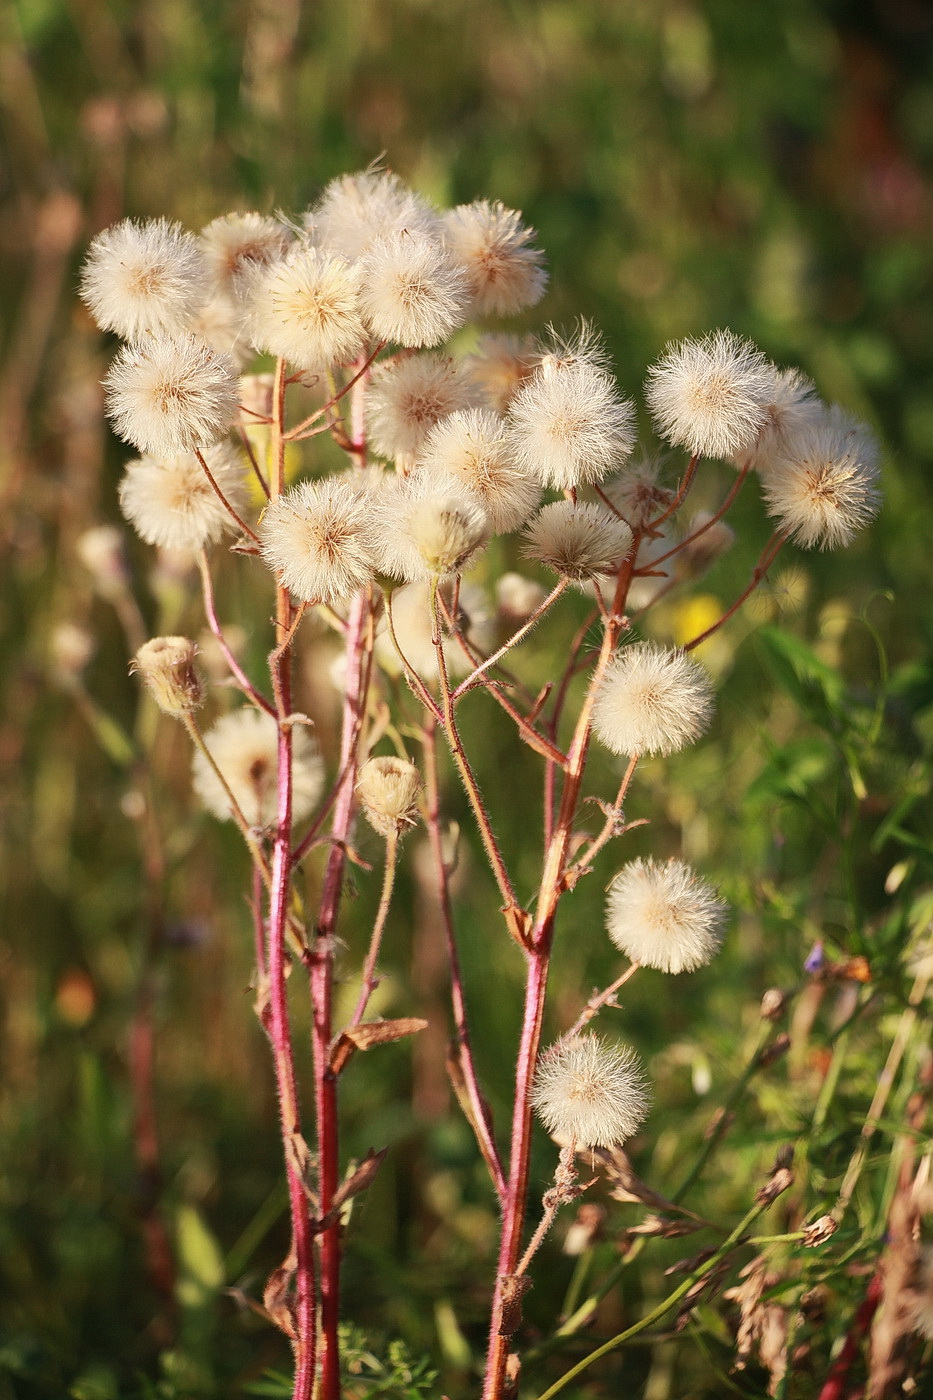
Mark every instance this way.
x=500 y=365
x=144 y=277
x=710 y=395
x=826 y=490
x=471 y=447
x=236 y=246
x=306 y=308
x=590 y=1092
x=317 y=538
x=505 y=274
x=569 y=425
x=652 y=700
x=791 y=406
x=662 y=915
x=388 y=789
x=244 y=745
x=411 y=619
x=166 y=664
x=412 y=291
x=427 y=529
x=577 y=539
x=171 y=394
x=408 y=396
x=637 y=492
x=170 y=502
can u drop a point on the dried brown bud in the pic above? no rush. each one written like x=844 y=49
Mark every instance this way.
x=166 y=664
x=820 y=1231
x=778 y=1047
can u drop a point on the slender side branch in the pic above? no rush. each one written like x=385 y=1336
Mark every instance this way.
x=246 y=529
x=210 y=612
x=768 y=556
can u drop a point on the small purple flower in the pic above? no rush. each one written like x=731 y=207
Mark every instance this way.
x=816 y=958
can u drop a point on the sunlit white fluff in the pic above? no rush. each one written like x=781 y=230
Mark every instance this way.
x=306 y=308
x=427 y=528
x=170 y=502
x=710 y=395
x=826 y=490
x=236 y=246
x=412 y=292
x=652 y=700
x=142 y=277
x=638 y=493
x=569 y=425
x=505 y=273
x=791 y=407
x=354 y=210
x=590 y=1091
x=471 y=446
x=577 y=539
x=171 y=394
x=500 y=364
x=662 y=915
x=317 y=538
x=407 y=396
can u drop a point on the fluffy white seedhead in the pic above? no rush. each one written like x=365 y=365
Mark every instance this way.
x=662 y=915
x=236 y=246
x=590 y=1092
x=569 y=425
x=354 y=210
x=171 y=394
x=577 y=539
x=652 y=701
x=317 y=538
x=221 y=322
x=505 y=273
x=827 y=489
x=170 y=502
x=388 y=789
x=306 y=308
x=244 y=745
x=427 y=528
x=142 y=277
x=710 y=395
x=791 y=408
x=637 y=492
x=500 y=365
x=407 y=396
x=412 y=291
x=472 y=447
x=411 y=617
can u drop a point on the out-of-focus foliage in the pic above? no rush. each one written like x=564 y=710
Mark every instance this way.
x=687 y=165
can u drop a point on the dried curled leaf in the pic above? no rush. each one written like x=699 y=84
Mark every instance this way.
x=513 y=1287
x=277 y=1300
x=370 y=1033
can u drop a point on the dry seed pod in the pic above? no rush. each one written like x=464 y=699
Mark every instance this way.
x=388 y=791
x=166 y=664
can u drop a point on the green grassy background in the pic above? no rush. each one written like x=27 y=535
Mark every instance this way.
x=687 y=165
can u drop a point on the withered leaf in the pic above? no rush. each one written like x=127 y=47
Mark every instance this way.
x=370 y=1033
x=513 y=1287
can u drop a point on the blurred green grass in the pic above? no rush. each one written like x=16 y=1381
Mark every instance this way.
x=687 y=165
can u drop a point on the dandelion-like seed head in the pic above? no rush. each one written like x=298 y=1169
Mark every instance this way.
x=306 y=308
x=413 y=292
x=171 y=394
x=791 y=407
x=144 y=277
x=500 y=365
x=355 y=210
x=235 y=246
x=244 y=745
x=590 y=1092
x=170 y=502
x=569 y=425
x=505 y=273
x=471 y=447
x=166 y=664
x=428 y=528
x=577 y=539
x=652 y=701
x=317 y=539
x=663 y=915
x=388 y=789
x=827 y=490
x=710 y=395
x=408 y=396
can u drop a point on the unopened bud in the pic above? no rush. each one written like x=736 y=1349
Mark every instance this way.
x=388 y=791
x=166 y=664
x=773 y=1004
